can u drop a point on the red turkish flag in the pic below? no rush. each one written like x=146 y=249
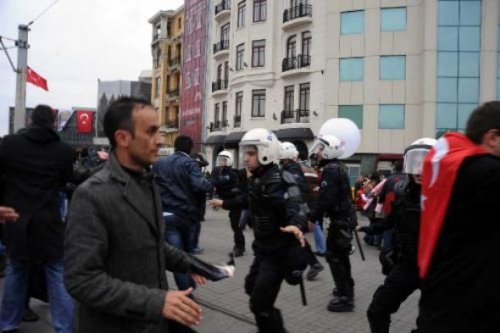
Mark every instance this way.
x=440 y=171
x=84 y=121
x=35 y=79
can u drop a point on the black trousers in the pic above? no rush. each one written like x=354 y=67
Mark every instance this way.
x=337 y=255
x=401 y=282
x=263 y=284
x=239 y=238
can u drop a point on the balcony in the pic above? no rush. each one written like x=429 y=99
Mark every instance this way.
x=221 y=49
x=172 y=124
x=219 y=87
x=174 y=62
x=173 y=93
x=237 y=121
x=296 y=65
x=218 y=126
x=298 y=15
x=294 y=117
x=222 y=10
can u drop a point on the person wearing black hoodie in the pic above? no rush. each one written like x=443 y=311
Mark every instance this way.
x=36 y=166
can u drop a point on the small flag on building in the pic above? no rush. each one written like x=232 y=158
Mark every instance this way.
x=84 y=121
x=35 y=79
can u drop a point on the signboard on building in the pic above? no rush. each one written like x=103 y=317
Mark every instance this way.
x=193 y=70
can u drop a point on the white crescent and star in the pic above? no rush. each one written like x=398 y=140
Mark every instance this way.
x=82 y=116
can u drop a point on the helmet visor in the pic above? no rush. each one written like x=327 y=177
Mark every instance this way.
x=414 y=161
x=222 y=161
x=318 y=147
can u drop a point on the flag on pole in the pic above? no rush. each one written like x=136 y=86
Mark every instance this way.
x=35 y=79
x=84 y=121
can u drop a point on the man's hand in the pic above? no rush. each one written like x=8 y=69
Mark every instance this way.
x=215 y=203
x=296 y=232
x=198 y=279
x=8 y=214
x=179 y=307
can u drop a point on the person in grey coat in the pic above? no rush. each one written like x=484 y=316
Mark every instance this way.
x=115 y=254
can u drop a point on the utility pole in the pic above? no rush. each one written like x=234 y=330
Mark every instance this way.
x=22 y=63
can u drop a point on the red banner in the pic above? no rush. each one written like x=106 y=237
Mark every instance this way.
x=35 y=79
x=84 y=120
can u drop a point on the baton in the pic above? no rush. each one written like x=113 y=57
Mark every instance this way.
x=359 y=245
x=303 y=292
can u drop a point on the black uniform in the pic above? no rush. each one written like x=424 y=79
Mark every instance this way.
x=402 y=279
x=273 y=203
x=335 y=200
x=228 y=186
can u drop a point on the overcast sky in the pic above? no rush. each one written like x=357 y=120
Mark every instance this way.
x=75 y=43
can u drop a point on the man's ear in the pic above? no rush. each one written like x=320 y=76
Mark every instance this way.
x=491 y=138
x=122 y=138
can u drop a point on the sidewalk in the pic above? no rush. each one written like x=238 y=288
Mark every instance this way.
x=225 y=304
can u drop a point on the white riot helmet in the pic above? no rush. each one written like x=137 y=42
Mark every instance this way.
x=225 y=158
x=288 y=151
x=330 y=146
x=266 y=142
x=415 y=154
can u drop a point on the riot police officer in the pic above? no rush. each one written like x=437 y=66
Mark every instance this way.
x=227 y=184
x=288 y=155
x=403 y=278
x=274 y=201
x=335 y=201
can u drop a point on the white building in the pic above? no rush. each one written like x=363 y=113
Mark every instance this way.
x=400 y=69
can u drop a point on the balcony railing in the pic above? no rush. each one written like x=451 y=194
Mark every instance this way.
x=237 y=121
x=218 y=125
x=223 y=5
x=294 y=116
x=295 y=62
x=219 y=85
x=299 y=11
x=220 y=46
x=174 y=61
x=173 y=92
x=172 y=123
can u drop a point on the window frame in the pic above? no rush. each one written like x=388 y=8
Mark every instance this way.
x=260 y=7
x=387 y=10
x=241 y=18
x=288 y=98
x=259 y=53
x=258 y=96
x=240 y=56
x=305 y=96
x=343 y=23
x=397 y=127
x=238 y=107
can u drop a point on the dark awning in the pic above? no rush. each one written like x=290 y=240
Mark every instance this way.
x=215 y=140
x=233 y=139
x=294 y=134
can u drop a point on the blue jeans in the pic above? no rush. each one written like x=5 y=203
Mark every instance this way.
x=15 y=293
x=319 y=238
x=181 y=234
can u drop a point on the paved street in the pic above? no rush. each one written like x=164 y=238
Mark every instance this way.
x=225 y=304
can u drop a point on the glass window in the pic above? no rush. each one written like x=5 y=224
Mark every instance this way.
x=224 y=113
x=353 y=112
x=240 y=52
x=469 y=64
x=469 y=38
x=305 y=94
x=259 y=53
x=306 y=43
x=224 y=32
x=352 y=69
x=468 y=90
x=242 y=7
x=352 y=22
x=448 y=39
x=391 y=116
x=393 y=19
x=291 y=45
x=448 y=64
x=392 y=68
x=464 y=111
x=259 y=103
x=216 y=113
x=446 y=116
x=447 y=90
x=239 y=103
x=470 y=13
x=448 y=13
x=289 y=96
x=259 y=10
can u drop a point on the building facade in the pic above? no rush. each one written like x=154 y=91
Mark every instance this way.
x=166 y=50
x=400 y=69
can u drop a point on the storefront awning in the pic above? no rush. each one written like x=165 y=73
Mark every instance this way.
x=291 y=134
x=233 y=139
x=215 y=140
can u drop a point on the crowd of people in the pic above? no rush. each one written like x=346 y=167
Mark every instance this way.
x=132 y=216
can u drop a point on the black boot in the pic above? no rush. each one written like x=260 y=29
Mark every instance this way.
x=270 y=322
x=341 y=304
x=314 y=271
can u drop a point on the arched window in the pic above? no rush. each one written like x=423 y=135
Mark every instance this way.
x=291 y=46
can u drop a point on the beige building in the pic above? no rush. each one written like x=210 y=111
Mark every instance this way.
x=400 y=69
x=166 y=50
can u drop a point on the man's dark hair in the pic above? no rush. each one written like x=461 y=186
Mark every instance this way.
x=484 y=118
x=183 y=143
x=398 y=166
x=119 y=116
x=42 y=115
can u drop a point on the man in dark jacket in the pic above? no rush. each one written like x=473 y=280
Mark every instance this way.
x=180 y=181
x=115 y=253
x=36 y=166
